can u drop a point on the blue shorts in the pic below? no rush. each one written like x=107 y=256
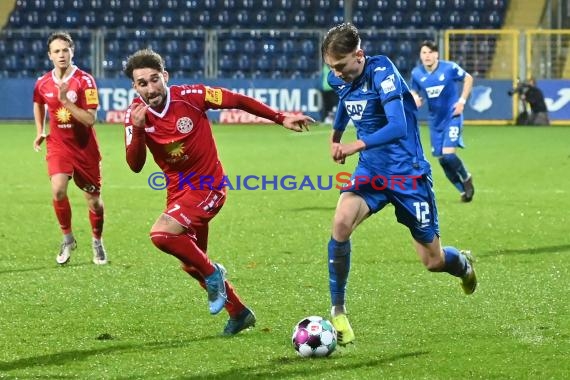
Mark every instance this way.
x=448 y=134
x=412 y=197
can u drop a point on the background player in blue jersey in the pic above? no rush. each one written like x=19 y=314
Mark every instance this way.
x=438 y=81
x=391 y=167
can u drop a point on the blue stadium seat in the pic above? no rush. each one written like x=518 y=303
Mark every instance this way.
x=308 y=48
x=300 y=19
x=473 y=18
x=229 y=46
x=397 y=19
x=109 y=19
x=172 y=47
x=166 y=17
x=280 y=20
x=420 y=5
x=97 y=4
x=282 y=62
x=250 y=46
x=225 y=19
x=270 y=46
x=246 y=4
x=210 y=4
x=128 y=19
x=401 y=5
x=204 y=18
x=243 y=19
x=455 y=19
x=244 y=62
x=184 y=18
x=439 y=4
x=288 y=46
x=225 y=63
x=263 y=63
x=459 y=5
x=480 y=5
x=416 y=19
x=16 y=19
x=493 y=19
x=358 y=18
x=382 y=5
x=147 y=18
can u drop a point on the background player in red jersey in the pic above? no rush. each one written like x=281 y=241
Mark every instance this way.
x=70 y=97
x=172 y=122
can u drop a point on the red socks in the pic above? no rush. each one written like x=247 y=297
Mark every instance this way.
x=96 y=221
x=63 y=213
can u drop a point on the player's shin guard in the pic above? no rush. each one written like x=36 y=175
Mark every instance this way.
x=339 y=267
x=62 y=210
x=455 y=263
x=454 y=170
x=96 y=219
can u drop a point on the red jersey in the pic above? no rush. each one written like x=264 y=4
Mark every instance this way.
x=66 y=134
x=180 y=136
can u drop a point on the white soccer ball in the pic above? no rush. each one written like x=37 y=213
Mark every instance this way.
x=314 y=336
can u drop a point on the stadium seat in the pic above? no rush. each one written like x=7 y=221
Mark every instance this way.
x=479 y=5
x=165 y=18
x=263 y=63
x=381 y=5
x=147 y=19
x=401 y=5
x=242 y=18
x=473 y=18
x=416 y=19
x=420 y=5
x=204 y=18
x=459 y=5
x=308 y=48
x=298 y=20
x=440 y=5
x=244 y=62
x=225 y=19
x=250 y=46
x=455 y=19
x=16 y=19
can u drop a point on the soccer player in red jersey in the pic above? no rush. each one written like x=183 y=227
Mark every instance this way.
x=172 y=122
x=70 y=97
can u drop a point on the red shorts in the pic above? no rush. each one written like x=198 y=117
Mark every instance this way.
x=195 y=207
x=86 y=177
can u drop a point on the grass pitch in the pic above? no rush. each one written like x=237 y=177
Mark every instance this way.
x=140 y=317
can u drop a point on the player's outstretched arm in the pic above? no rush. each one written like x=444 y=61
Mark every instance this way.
x=298 y=123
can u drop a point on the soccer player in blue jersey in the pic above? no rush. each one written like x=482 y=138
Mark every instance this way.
x=391 y=168
x=438 y=81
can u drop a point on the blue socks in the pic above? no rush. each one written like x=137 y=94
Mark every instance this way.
x=454 y=170
x=339 y=266
x=455 y=263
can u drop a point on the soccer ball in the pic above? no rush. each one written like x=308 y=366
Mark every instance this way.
x=314 y=336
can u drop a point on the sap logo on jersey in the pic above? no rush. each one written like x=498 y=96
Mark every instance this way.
x=355 y=108
x=435 y=91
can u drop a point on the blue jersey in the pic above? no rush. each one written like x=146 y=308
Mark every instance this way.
x=440 y=90
x=382 y=109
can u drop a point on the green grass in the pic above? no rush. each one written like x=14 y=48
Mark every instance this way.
x=142 y=318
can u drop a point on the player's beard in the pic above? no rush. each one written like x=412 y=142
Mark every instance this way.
x=156 y=101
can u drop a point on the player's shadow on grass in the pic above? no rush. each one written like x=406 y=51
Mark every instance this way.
x=62 y=358
x=46 y=267
x=530 y=251
x=286 y=367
